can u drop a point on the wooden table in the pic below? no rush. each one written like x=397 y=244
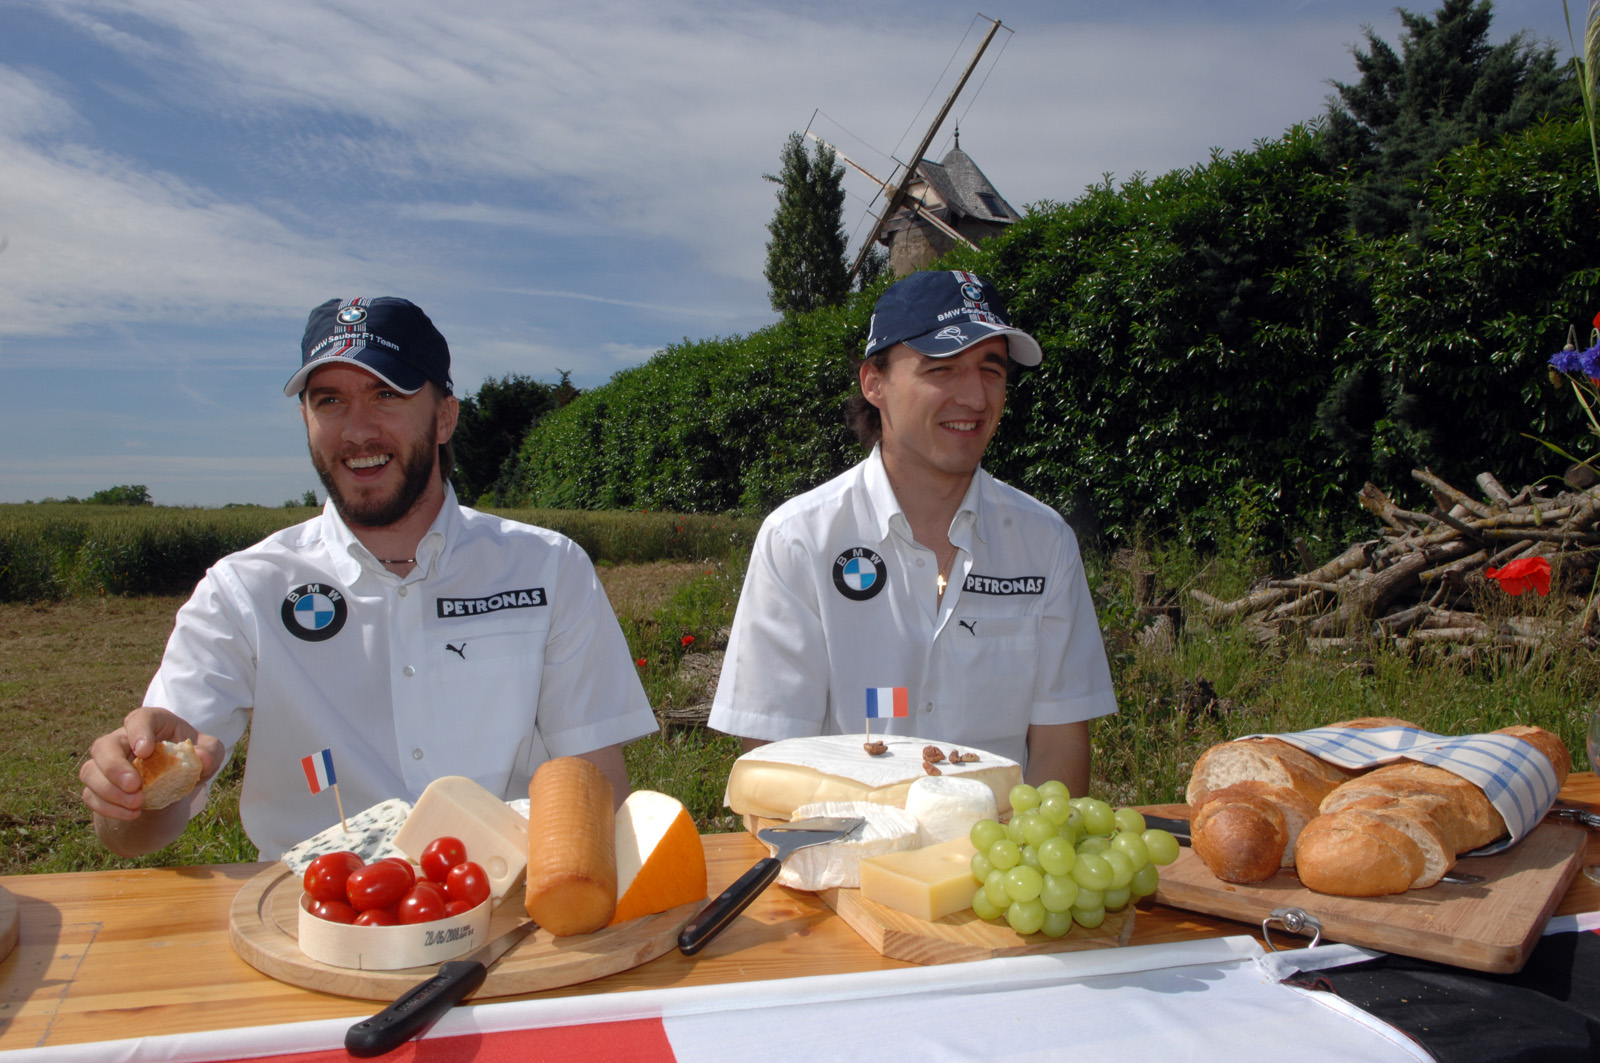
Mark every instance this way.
x=115 y=954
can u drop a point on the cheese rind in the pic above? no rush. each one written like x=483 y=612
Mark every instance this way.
x=496 y=838
x=838 y=863
x=771 y=781
x=928 y=883
x=946 y=806
x=660 y=860
x=371 y=836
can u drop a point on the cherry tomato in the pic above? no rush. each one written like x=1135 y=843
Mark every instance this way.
x=467 y=882
x=455 y=908
x=405 y=865
x=377 y=917
x=433 y=887
x=325 y=876
x=334 y=911
x=379 y=885
x=440 y=856
x=421 y=905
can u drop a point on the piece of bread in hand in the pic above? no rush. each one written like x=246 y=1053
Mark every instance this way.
x=169 y=773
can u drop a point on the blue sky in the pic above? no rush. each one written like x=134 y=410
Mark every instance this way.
x=561 y=186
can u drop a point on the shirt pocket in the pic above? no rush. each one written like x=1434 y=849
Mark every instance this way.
x=486 y=696
x=994 y=661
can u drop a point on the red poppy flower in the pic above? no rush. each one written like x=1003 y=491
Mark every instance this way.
x=640 y=662
x=1523 y=573
x=686 y=640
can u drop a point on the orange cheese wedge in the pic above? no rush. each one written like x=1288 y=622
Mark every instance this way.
x=660 y=862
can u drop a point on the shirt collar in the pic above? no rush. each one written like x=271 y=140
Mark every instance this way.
x=351 y=558
x=883 y=513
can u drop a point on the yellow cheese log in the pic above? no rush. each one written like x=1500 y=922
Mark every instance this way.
x=572 y=858
x=926 y=883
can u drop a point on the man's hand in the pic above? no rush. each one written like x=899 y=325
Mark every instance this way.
x=114 y=792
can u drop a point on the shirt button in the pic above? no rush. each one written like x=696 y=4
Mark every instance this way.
x=921 y=563
x=416 y=754
x=408 y=671
x=404 y=590
x=928 y=707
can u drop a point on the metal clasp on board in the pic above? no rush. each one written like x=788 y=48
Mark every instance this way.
x=1294 y=920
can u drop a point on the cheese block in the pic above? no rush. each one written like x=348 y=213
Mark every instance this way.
x=660 y=861
x=771 y=781
x=370 y=835
x=496 y=838
x=928 y=883
x=821 y=867
x=946 y=806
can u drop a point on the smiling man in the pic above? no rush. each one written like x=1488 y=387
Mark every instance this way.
x=918 y=572
x=407 y=635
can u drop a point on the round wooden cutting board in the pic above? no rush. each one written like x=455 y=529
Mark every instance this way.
x=262 y=927
x=8 y=923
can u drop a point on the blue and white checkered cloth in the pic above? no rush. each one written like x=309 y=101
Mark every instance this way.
x=1517 y=778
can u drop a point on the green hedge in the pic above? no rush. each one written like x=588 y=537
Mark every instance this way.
x=1222 y=354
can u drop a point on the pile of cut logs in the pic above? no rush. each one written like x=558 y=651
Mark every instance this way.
x=1423 y=580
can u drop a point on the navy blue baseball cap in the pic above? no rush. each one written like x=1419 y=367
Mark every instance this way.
x=390 y=338
x=943 y=312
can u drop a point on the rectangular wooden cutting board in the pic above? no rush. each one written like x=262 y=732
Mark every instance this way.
x=1489 y=926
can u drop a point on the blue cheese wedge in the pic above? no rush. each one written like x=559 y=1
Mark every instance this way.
x=370 y=835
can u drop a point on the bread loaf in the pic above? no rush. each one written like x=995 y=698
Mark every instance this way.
x=1261 y=804
x=1427 y=814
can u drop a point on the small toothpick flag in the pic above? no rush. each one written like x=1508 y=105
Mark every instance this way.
x=319 y=776
x=884 y=702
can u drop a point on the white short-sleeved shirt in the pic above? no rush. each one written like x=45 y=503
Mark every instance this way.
x=496 y=653
x=839 y=598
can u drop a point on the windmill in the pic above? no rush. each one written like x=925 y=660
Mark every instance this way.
x=897 y=193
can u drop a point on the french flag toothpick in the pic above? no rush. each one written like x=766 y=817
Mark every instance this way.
x=884 y=702
x=319 y=776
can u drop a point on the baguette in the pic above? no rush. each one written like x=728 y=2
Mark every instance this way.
x=1428 y=814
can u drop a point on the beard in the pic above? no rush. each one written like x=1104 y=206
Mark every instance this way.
x=416 y=471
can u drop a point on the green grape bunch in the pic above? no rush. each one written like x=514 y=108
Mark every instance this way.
x=1062 y=860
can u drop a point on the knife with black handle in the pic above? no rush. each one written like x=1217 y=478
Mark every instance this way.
x=420 y=1007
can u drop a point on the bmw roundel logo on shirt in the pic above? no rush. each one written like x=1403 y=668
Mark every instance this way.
x=314 y=612
x=859 y=573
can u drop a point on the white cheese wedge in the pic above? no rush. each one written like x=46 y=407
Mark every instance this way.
x=946 y=806
x=771 y=781
x=928 y=883
x=370 y=835
x=496 y=838
x=660 y=860
x=821 y=867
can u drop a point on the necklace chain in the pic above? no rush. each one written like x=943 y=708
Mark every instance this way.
x=398 y=561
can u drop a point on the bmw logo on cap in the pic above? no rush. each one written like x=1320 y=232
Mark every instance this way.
x=352 y=315
x=972 y=291
x=859 y=573
x=314 y=612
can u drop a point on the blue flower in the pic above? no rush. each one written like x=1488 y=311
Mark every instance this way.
x=1576 y=363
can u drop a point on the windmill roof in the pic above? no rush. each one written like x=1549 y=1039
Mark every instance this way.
x=960 y=183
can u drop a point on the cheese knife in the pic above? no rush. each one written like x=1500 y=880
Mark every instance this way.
x=785 y=838
x=421 y=1006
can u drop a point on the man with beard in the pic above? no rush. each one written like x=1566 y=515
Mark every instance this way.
x=408 y=636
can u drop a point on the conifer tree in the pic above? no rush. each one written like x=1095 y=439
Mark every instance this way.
x=806 y=266
x=1447 y=87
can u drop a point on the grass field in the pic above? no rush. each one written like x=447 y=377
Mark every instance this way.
x=70 y=669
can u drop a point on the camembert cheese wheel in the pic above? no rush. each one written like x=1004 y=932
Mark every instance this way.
x=820 y=867
x=946 y=806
